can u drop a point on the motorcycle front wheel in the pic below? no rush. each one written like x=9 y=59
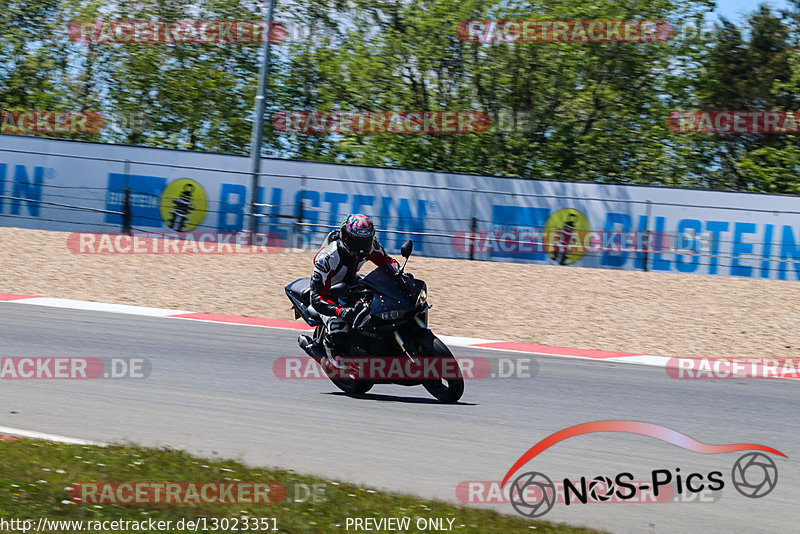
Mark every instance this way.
x=447 y=390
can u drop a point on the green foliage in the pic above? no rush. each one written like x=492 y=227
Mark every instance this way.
x=35 y=475
x=748 y=69
x=563 y=111
x=26 y=66
x=773 y=169
x=193 y=96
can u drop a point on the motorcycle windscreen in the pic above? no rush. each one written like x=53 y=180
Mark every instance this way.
x=383 y=280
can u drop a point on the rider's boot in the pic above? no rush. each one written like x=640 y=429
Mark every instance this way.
x=333 y=350
x=335 y=343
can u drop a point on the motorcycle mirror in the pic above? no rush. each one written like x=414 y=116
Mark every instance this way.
x=407 y=248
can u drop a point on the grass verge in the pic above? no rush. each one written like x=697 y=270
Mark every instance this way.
x=35 y=475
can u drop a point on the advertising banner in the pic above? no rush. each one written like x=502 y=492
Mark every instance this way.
x=43 y=182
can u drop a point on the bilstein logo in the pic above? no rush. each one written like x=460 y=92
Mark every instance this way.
x=564 y=234
x=533 y=494
x=183 y=205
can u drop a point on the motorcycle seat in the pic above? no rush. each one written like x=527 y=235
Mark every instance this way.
x=301 y=289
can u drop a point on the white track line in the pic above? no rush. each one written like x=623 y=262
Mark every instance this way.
x=455 y=341
x=99 y=306
x=32 y=434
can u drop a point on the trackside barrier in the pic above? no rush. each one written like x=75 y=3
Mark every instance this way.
x=74 y=186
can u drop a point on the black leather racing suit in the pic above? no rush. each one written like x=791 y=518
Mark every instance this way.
x=334 y=265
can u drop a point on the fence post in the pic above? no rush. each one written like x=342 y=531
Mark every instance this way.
x=126 y=212
x=473 y=227
x=126 y=202
x=298 y=229
x=647 y=236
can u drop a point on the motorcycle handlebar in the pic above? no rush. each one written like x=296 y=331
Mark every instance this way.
x=362 y=308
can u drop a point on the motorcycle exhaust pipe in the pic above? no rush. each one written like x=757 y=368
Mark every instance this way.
x=314 y=350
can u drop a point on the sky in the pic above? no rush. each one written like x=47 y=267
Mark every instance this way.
x=734 y=9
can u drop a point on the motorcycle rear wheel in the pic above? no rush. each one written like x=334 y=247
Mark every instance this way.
x=351 y=386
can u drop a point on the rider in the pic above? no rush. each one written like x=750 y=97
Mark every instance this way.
x=343 y=253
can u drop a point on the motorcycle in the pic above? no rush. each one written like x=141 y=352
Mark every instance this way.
x=391 y=324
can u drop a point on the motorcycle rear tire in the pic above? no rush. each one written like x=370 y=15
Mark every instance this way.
x=350 y=386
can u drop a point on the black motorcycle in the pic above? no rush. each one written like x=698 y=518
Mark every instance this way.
x=391 y=325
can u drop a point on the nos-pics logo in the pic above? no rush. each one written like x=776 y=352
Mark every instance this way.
x=533 y=494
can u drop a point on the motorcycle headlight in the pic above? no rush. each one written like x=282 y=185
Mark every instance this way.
x=391 y=315
x=422 y=298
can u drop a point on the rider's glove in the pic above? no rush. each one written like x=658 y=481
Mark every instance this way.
x=346 y=313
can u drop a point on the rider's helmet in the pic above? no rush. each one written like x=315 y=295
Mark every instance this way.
x=357 y=234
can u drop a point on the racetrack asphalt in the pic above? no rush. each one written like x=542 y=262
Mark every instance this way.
x=212 y=391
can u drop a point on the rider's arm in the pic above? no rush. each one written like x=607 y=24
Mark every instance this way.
x=378 y=255
x=321 y=287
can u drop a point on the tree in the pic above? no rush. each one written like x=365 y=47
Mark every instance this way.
x=592 y=111
x=38 y=67
x=744 y=68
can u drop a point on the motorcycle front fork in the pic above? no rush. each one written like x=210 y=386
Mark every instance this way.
x=399 y=339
